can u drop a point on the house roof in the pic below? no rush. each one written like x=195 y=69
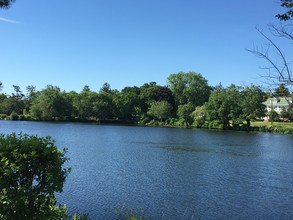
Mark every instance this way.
x=279 y=101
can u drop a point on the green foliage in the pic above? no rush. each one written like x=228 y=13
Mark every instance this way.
x=276 y=128
x=215 y=124
x=199 y=116
x=78 y=216
x=288 y=5
x=161 y=110
x=3 y=116
x=281 y=91
x=274 y=116
x=224 y=105
x=9 y=104
x=127 y=103
x=190 y=88
x=235 y=104
x=287 y=113
x=128 y=214
x=31 y=172
x=14 y=116
x=252 y=103
x=187 y=95
x=50 y=104
x=103 y=105
x=184 y=113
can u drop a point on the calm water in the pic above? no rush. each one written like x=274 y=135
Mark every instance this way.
x=172 y=173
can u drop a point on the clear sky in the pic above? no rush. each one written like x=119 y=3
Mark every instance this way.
x=130 y=42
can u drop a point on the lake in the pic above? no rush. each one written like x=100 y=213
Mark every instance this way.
x=166 y=173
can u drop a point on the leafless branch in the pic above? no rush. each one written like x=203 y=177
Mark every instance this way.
x=277 y=71
x=285 y=31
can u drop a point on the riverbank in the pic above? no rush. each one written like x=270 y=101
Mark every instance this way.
x=257 y=126
x=275 y=127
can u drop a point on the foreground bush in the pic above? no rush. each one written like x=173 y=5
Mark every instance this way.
x=31 y=172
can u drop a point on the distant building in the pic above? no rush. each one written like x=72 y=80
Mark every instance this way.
x=278 y=104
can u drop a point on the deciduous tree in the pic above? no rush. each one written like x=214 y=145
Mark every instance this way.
x=161 y=110
x=190 y=88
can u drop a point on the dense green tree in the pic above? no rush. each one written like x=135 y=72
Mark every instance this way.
x=224 y=106
x=282 y=91
x=190 y=88
x=151 y=92
x=49 y=104
x=86 y=88
x=148 y=94
x=252 y=106
x=199 y=116
x=184 y=113
x=235 y=104
x=72 y=98
x=128 y=104
x=287 y=113
x=83 y=103
x=163 y=93
x=161 y=110
x=10 y=105
x=106 y=88
x=30 y=95
x=31 y=172
x=13 y=103
x=103 y=107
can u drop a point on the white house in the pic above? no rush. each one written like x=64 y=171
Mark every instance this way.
x=278 y=103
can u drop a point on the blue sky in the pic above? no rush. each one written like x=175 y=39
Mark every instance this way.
x=130 y=42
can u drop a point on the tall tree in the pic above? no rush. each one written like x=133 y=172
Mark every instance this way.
x=49 y=104
x=224 y=105
x=83 y=103
x=103 y=106
x=252 y=98
x=189 y=88
x=282 y=91
x=127 y=103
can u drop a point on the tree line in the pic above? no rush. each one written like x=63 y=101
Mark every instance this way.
x=187 y=100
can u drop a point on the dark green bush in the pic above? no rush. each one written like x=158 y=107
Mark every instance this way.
x=14 y=116
x=31 y=172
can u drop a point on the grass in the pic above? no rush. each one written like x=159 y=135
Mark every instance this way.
x=276 y=127
x=279 y=124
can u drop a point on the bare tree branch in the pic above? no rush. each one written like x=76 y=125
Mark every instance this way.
x=277 y=72
x=285 y=31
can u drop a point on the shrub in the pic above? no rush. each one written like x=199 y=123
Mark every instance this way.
x=216 y=124
x=3 y=116
x=21 y=117
x=31 y=172
x=14 y=116
x=198 y=122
